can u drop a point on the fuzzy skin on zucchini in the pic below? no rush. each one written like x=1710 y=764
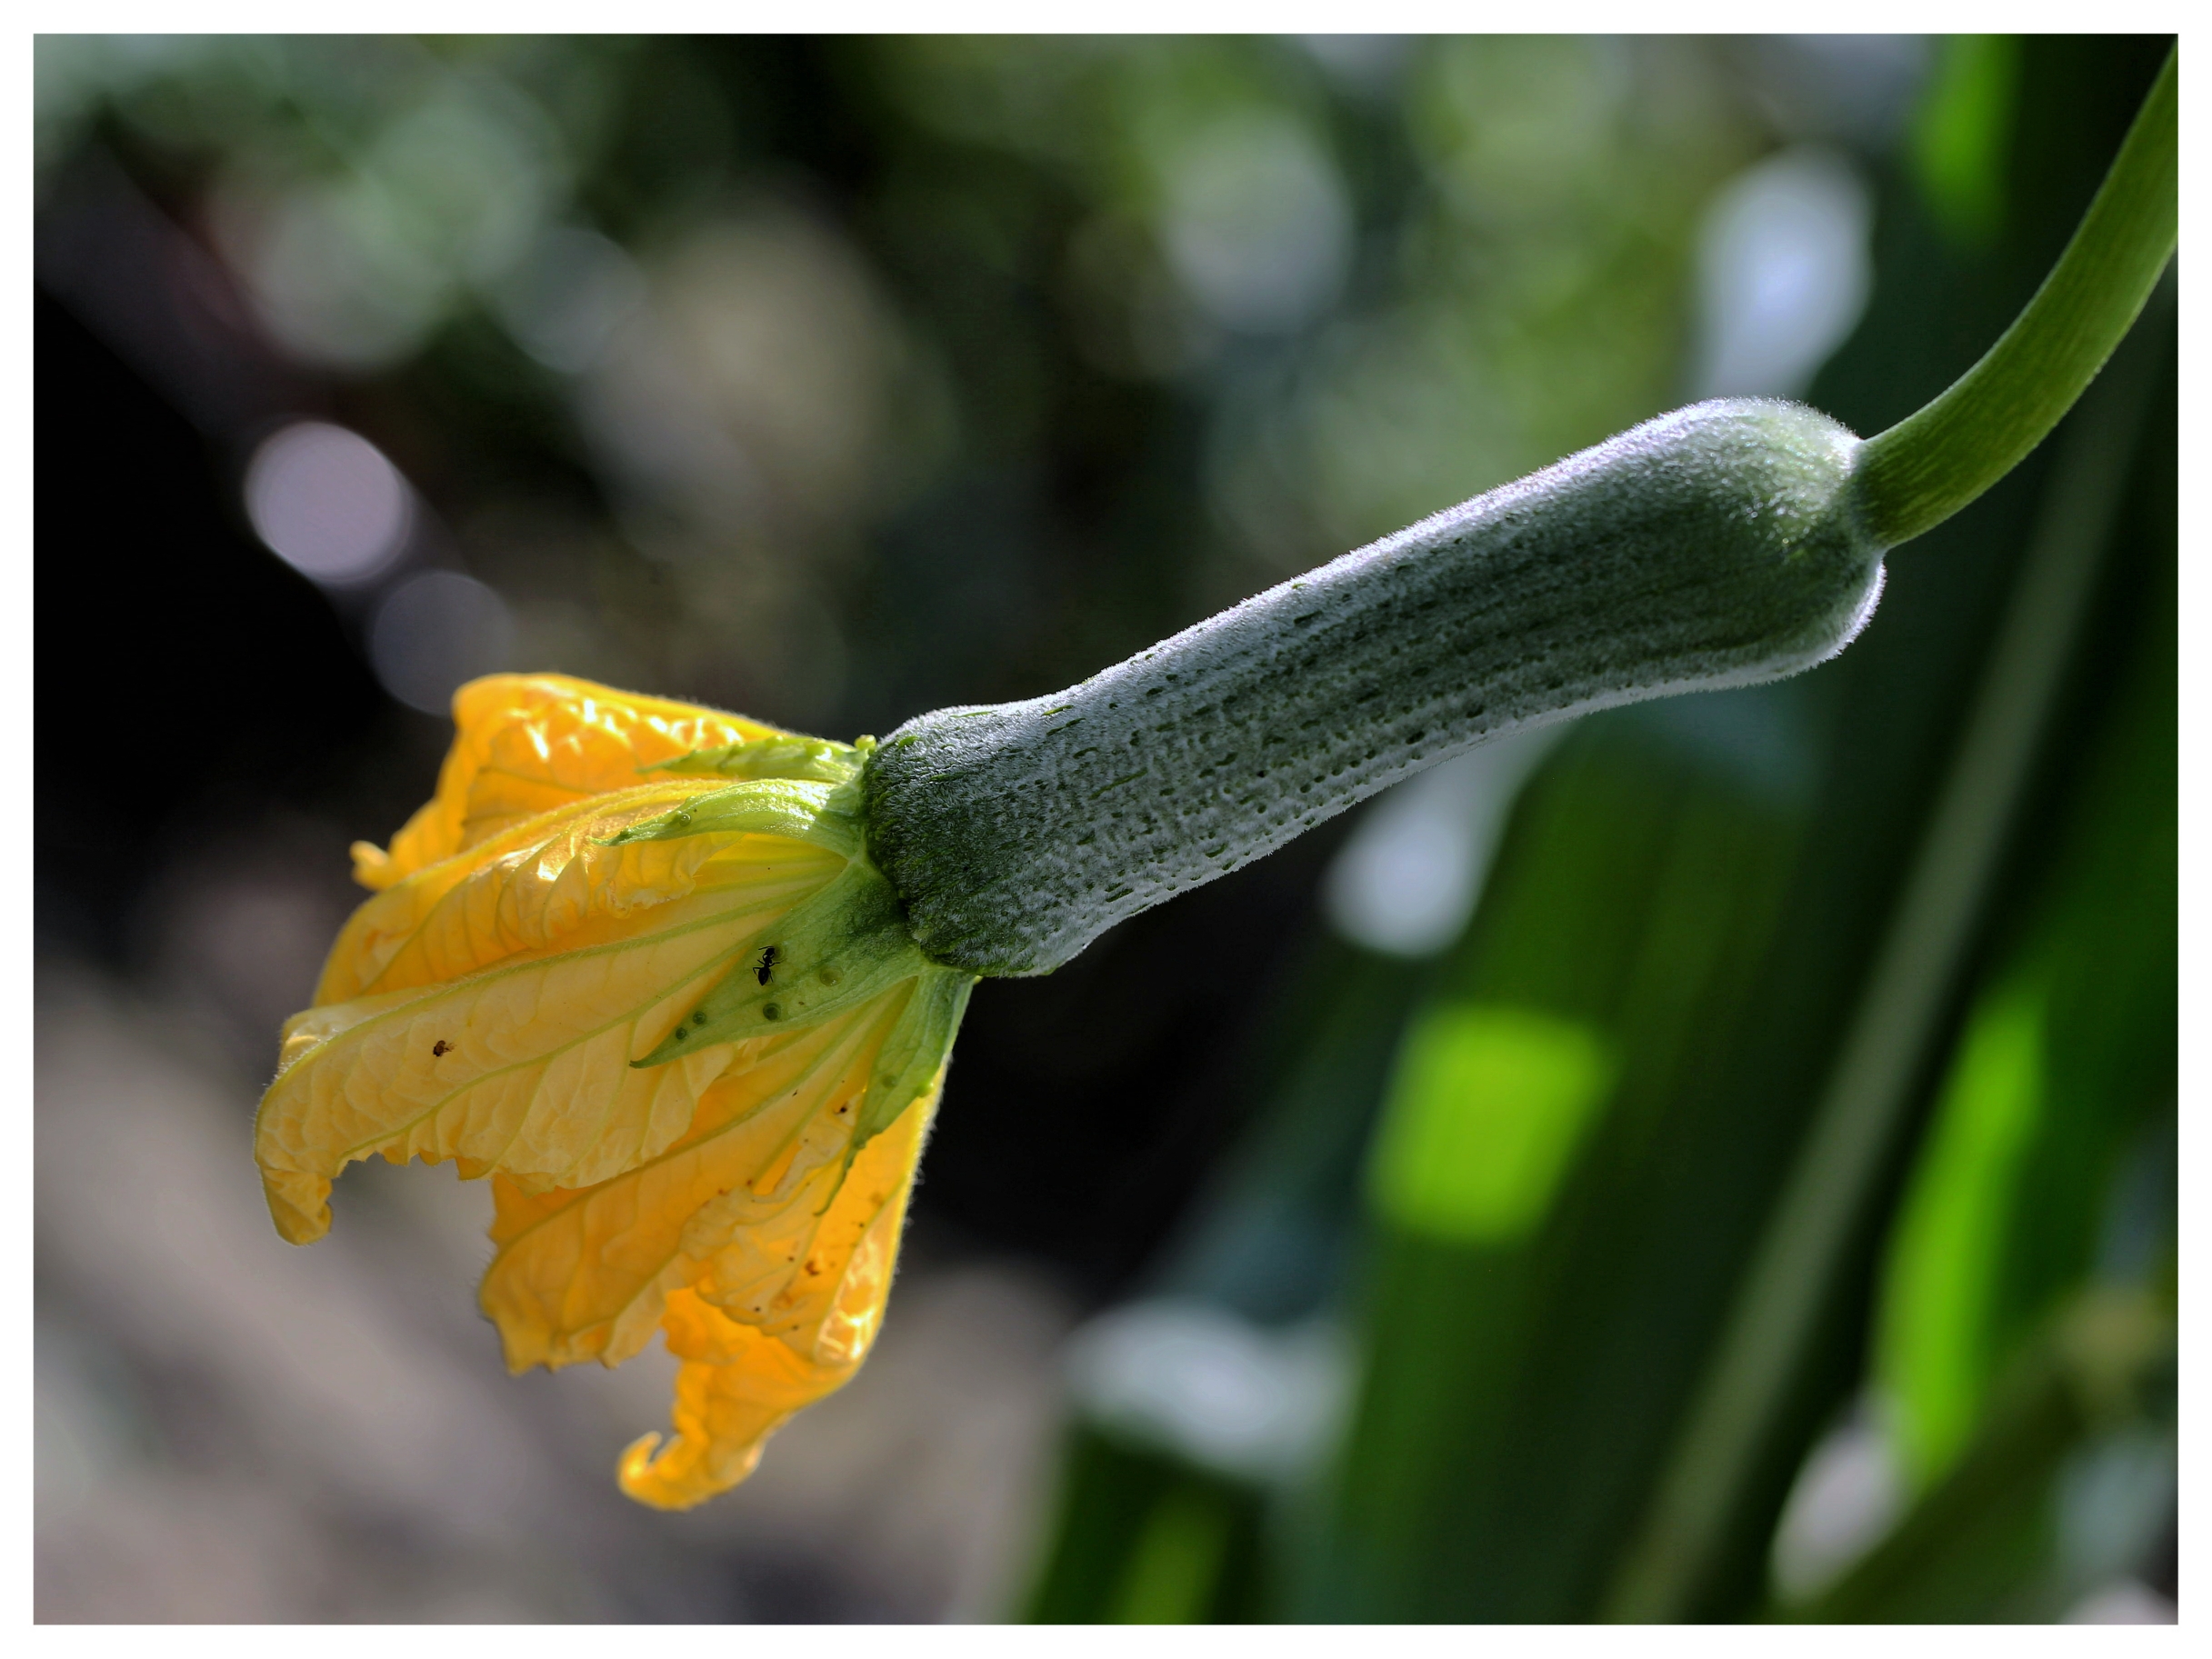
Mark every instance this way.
x=1717 y=546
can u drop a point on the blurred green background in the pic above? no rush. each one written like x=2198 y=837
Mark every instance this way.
x=1718 y=1164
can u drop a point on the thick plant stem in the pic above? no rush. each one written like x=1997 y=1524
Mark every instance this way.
x=1932 y=463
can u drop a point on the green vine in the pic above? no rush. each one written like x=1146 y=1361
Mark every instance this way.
x=1932 y=463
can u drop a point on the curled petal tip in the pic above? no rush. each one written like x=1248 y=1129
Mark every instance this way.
x=298 y=1203
x=373 y=866
x=651 y=1481
x=637 y=1459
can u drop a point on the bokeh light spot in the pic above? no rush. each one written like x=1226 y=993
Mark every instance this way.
x=327 y=502
x=1784 y=269
x=436 y=631
x=1258 y=225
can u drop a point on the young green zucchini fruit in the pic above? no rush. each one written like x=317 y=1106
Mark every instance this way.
x=1722 y=544
x=1719 y=546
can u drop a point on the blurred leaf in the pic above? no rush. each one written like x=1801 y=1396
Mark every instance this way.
x=1269 y=1239
x=1268 y=1244
x=1170 y=1575
x=1639 y=883
x=1840 y=1193
x=1949 y=1241
x=1154 y=1541
x=1979 y=1544
x=2068 y=1052
x=1964 y=125
x=1489 y=1107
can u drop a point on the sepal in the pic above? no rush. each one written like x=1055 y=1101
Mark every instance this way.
x=845 y=945
x=783 y=756
x=817 y=813
x=913 y=1056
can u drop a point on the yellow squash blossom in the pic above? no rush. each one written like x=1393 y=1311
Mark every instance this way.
x=632 y=962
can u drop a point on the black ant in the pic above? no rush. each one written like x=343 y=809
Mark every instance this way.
x=440 y=1049
x=767 y=964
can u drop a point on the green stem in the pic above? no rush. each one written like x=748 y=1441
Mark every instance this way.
x=1931 y=463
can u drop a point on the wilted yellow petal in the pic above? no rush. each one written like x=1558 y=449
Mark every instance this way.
x=738 y=1383
x=582 y=1274
x=727 y=1404
x=559 y=983
x=528 y=743
x=543 y=885
x=372 y=866
x=831 y=1306
x=525 y=1067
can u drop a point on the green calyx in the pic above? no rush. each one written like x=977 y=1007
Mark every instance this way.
x=803 y=788
x=914 y=1051
x=847 y=945
x=820 y=815
x=808 y=759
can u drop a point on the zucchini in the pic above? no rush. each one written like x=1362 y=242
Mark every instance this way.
x=1719 y=546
